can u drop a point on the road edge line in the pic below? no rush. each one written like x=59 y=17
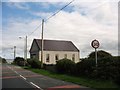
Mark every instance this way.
x=36 y=85
x=22 y=77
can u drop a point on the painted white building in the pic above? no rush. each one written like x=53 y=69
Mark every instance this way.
x=54 y=50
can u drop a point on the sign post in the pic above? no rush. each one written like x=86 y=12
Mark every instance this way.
x=95 y=44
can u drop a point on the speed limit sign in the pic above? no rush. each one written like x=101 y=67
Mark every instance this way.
x=95 y=44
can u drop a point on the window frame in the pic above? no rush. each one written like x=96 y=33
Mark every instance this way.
x=47 y=57
x=73 y=57
x=56 y=57
x=65 y=56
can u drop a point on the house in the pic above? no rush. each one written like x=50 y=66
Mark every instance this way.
x=54 y=50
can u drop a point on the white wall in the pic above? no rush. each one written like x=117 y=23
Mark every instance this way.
x=61 y=56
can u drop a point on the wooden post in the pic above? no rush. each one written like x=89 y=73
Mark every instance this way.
x=42 y=44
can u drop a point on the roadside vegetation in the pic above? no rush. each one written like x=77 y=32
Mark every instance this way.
x=3 y=60
x=19 y=61
x=108 y=68
x=84 y=81
x=85 y=72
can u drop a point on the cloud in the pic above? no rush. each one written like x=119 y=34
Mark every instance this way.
x=16 y=28
x=75 y=26
x=45 y=5
x=42 y=15
x=20 y=5
x=102 y=12
x=82 y=29
x=58 y=0
x=0 y=28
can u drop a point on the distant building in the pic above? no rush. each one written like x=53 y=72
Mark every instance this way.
x=54 y=50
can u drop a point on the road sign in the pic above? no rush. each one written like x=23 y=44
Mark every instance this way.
x=95 y=43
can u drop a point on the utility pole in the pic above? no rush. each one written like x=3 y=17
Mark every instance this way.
x=42 y=44
x=25 y=50
x=14 y=52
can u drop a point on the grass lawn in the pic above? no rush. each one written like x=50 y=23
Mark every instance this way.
x=78 y=80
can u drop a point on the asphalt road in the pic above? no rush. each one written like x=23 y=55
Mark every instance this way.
x=14 y=77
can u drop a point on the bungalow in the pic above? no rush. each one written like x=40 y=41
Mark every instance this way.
x=54 y=50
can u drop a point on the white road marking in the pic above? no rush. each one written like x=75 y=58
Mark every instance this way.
x=22 y=77
x=25 y=79
x=8 y=67
x=16 y=72
x=35 y=85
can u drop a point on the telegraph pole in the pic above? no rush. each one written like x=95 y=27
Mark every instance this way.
x=26 y=48
x=14 y=52
x=42 y=44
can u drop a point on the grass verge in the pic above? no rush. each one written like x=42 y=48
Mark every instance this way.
x=77 y=80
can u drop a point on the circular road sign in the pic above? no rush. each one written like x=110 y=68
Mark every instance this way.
x=95 y=44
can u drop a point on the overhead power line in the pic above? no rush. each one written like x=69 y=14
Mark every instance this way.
x=59 y=10
x=51 y=17
x=34 y=30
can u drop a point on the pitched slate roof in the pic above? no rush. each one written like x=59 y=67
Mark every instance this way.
x=56 y=45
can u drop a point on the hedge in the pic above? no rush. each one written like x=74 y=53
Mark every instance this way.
x=65 y=66
x=34 y=63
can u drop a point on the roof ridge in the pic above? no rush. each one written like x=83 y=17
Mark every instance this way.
x=54 y=40
x=57 y=45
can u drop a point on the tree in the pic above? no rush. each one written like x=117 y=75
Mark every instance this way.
x=100 y=54
x=4 y=60
x=0 y=60
x=19 y=61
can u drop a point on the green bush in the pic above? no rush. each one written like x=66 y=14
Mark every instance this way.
x=34 y=63
x=117 y=80
x=65 y=66
x=117 y=70
x=105 y=68
x=19 y=61
x=4 y=60
x=108 y=69
x=101 y=54
x=29 y=61
x=85 y=67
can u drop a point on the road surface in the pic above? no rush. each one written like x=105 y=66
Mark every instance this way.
x=14 y=77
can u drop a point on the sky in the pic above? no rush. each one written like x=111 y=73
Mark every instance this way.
x=80 y=22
